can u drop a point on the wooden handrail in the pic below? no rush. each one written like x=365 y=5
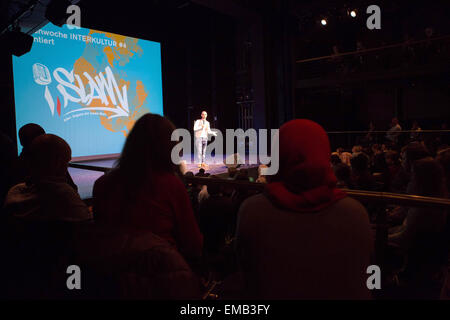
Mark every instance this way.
x=366 y=196
x=386 y=131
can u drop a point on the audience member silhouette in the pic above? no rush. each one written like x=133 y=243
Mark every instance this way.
x=216 y=214
x=343 y=175
x=27 y=134
x=124 y=264
x=335 y=160
x=143 y=193
x=40 y=218
x=427 y=179
x=443 y=157
x=361 y=176
x=410 y=153
x=303 y=238
x=46 y=195
x=423 y=236
x=8 y=157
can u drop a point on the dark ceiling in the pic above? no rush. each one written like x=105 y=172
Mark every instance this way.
x=160 y=14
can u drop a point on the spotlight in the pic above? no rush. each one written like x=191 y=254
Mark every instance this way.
x=352 y=13
x=56 y=12
x=323 y=22
x=17 y=43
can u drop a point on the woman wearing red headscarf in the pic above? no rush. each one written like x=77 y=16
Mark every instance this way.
x=304 y=238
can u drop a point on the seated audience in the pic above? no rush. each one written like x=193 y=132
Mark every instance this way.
x=415 y=134
x=356 y=150
x=335 y=160
x=361 y=177
x=343 y=175
x=393 y=133
x=239 y=195
x=410 y=153
x=47 y=194
x=304 y=238
x=216 y=214
x=242 y=175
x=370 y=136
x=117 y=264
x=27 y=134
x=423 y=235
x=443 y=157
x=376 y=163
x=261 y=178
x=343 y=155
x=393 y=162
x=8 y=157
x=232 y=172
x=143 y=193
x=201 y=173
x=183 y=167
x=40 y=218
x=427 y=179
x=203 y=194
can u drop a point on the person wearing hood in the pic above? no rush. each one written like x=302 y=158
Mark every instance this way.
x=303 y=238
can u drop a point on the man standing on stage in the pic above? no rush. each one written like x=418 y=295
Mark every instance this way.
x=201 y=131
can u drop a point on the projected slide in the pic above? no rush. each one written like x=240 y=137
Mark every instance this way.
x=87 y=86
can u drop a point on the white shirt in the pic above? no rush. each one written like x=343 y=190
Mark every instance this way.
x=392 y=133
x=202 y=132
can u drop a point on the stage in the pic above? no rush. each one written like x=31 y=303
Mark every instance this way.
x=94 y=169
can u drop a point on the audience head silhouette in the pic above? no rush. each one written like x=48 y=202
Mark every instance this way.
x=147 y=149
x=305 y=180
x=49 y=156
x=428 y=178
x=28 y=132
x=360 y=163
x=412 y=152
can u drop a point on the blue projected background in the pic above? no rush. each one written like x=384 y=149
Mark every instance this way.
x=88 y=87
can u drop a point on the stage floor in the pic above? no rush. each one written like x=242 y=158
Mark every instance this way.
x=85 y=179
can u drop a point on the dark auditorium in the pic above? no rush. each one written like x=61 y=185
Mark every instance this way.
x=224 y=157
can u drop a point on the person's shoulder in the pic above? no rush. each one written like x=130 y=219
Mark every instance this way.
x=169 y=180
x=254 y=208
x=62 y=202
x=18 y=188
x=257 y=201
x=351 y=208
x=20 y=192
x=106 y=179
x=346 y=154
x=349 y=202
x=59 y=189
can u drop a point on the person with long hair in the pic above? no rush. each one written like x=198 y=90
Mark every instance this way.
x=144 y=193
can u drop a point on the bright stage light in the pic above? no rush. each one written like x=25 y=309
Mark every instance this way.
x=353 y=13
x=323 y=22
